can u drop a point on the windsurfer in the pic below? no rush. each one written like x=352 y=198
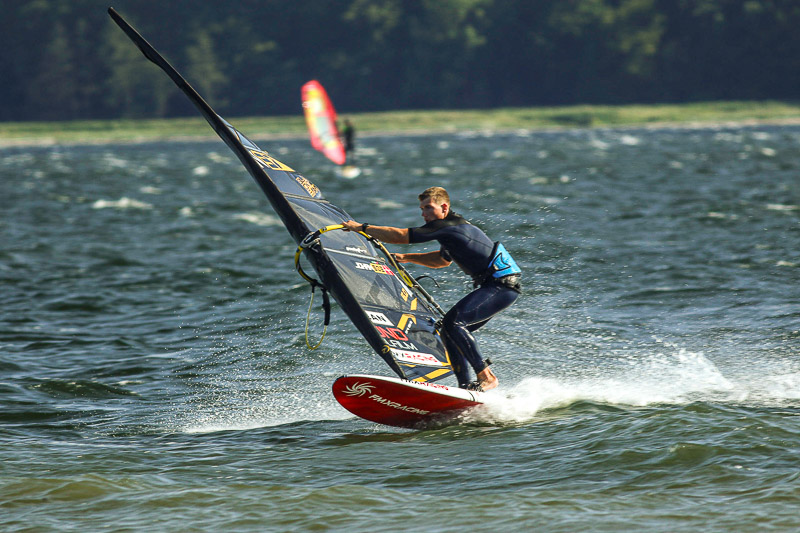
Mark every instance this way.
x=495 y=275
x=348 y=138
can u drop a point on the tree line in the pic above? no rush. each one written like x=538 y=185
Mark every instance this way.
x=68 y=60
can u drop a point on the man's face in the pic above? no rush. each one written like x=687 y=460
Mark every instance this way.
x=432 y=211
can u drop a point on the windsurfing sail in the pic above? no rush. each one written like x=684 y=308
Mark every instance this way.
x=395 y=315
x=321 y=120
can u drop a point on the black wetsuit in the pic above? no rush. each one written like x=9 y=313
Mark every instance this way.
x=472 y=251
x=348 y=132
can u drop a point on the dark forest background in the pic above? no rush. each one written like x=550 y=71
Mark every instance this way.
x=66 y=59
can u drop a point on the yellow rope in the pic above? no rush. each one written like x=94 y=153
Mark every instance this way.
x=305 y=244
x=308 y=317
x=308 y=242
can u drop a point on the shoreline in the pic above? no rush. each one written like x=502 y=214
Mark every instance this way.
x=51 y=141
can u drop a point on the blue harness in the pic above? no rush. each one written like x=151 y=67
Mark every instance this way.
x=502 y=264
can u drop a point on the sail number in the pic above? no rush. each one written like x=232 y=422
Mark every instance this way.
x=267 y=161
x=310 y=188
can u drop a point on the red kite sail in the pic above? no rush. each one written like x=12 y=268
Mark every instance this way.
x=321 y=120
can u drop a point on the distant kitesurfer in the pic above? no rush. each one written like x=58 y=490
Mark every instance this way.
x=348 y=137
x=495 y=274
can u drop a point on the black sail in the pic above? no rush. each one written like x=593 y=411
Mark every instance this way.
x=393 y=313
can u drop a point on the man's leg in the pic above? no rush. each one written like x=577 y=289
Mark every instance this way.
x=473 y=311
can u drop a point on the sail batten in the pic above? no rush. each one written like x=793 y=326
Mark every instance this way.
x=398 y=321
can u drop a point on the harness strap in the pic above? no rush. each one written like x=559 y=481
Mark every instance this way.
x=501 y=265
x=326 y=304
x=310 y=241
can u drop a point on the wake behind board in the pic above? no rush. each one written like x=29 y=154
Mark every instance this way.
x=349 y=171
x=401 y=403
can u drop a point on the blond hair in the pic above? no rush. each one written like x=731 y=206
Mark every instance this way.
x=437 y=194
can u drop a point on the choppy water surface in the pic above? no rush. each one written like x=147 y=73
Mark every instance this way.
x=154 y=374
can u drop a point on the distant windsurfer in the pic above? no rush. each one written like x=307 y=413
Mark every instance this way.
x=348 y=138
x=495 y=274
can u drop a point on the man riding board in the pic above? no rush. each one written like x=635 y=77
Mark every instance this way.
x=495 y=274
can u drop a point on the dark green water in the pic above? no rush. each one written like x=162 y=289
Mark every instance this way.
x=154 y=374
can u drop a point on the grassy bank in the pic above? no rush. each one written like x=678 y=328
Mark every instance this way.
x=76 y=132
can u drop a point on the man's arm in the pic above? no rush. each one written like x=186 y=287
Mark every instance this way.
x=429 y=259
x=382 y=233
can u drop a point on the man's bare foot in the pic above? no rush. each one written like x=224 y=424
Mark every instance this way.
x=487 y=379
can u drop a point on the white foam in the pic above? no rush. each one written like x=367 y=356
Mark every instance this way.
x=261 y=417
x=122 y=203
x=386 y=204
x=673 y=376
x=782 y=207
x=259 y=219
x=600 y=145
x=217 y=158
x=236 y=410
x=677 y=378
x=114 y=162
x=629 y=140
x=783 y=386
x=768 y=152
